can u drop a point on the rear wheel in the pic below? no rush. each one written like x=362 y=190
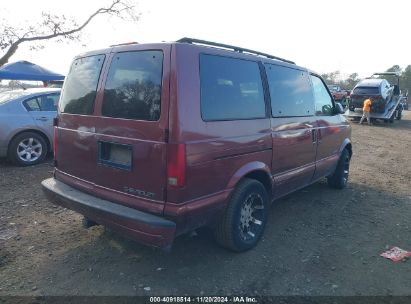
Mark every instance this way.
x=391 y=120
x=27 y=148
x=340 y=177
x=244 y=220
x=398 y=115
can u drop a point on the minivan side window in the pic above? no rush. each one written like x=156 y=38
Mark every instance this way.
x=231 y=89
x=290 y=91
x=80 y=85
x=323 y=100
x=133 y=86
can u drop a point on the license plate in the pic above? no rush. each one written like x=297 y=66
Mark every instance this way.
x=116 y=155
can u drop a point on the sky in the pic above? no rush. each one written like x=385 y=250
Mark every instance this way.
x=362 y=36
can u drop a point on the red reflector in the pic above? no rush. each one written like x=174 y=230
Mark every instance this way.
x=176 y=165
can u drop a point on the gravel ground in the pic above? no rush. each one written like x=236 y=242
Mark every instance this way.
x=318 y=241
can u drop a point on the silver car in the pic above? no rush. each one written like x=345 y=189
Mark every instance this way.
x=26 y=124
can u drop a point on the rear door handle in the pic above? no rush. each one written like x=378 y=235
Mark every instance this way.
x=42 y=118
x=314 y=136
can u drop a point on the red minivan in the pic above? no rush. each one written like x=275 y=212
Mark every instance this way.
x=155 y=140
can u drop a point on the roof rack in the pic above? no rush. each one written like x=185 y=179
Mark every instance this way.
x=126 y=43
x=234 y=48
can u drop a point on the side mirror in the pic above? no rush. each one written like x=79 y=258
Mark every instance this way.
x=338 y=109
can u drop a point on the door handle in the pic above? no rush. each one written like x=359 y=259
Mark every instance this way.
x=314 y=136
x=42 y=118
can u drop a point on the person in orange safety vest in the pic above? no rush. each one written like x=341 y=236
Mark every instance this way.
x=366 y=110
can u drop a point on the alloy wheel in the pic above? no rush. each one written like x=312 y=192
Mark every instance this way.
x=29 y=149
x=251 y=216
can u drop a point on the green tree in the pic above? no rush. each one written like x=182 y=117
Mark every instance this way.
x=395 y=68
x=332 y=78
x=351 y=81
x=405 y=79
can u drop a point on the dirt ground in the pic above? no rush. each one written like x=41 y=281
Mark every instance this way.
x=318 y=241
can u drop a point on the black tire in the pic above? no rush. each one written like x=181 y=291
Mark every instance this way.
x=27 y=148
x=391 y=119
x=244 y=220
x=340 y=177
x=399 y=115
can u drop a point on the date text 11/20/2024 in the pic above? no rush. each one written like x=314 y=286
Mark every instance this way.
x=204 y=299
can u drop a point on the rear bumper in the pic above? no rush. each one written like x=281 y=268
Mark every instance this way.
x=143 y=227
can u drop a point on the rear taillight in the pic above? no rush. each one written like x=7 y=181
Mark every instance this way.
x=54 y=143
x=176 y=165
x=55 y=123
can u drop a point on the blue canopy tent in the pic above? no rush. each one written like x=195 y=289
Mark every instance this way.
x=24 y=70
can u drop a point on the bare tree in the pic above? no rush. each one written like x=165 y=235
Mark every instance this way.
x=54 y=26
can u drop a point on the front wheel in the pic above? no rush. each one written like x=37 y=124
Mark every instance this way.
x=244 y=220
x=339 y=179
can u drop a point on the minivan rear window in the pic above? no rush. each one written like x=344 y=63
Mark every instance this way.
x=367 y=90
x=80 y=85
x=231 y=89
x=133 y=86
